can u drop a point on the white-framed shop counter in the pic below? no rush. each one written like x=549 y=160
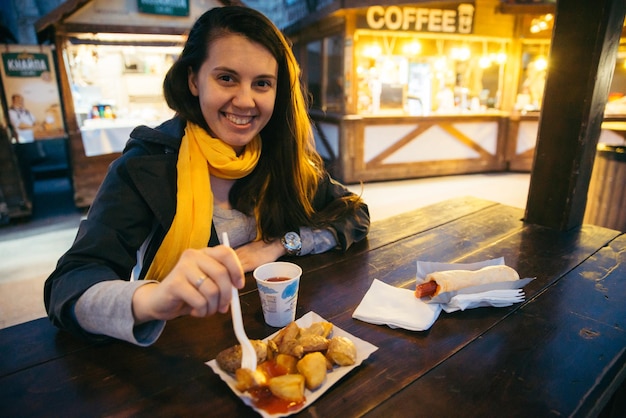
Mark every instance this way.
x=376 y=148
x=522 y=137
x=100 y=142
x=102 y=136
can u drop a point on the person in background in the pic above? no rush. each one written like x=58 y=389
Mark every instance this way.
x=22 y=119
x=238 y=157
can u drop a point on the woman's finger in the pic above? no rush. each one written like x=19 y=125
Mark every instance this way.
x=220 y=281
x=208 y=276
x=228 y=259
x=210 y=295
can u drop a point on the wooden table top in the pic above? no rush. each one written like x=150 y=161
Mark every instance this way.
x=562 y=352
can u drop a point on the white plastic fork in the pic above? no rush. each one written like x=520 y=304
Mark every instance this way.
x=248 y=353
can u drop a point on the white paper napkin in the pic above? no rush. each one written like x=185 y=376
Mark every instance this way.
x=395 y=307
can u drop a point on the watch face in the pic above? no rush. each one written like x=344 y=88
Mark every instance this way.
x=292 y=243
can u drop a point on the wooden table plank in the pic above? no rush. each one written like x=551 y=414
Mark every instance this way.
x=386 y=231
x=32 y=343
x=562 y=354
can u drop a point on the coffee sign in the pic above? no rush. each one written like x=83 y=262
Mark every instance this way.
x=457 y=19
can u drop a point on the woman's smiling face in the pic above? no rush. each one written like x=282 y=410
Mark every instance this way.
x=236 y=86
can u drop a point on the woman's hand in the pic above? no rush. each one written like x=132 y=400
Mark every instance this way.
x=255 y=253
x=199 y=285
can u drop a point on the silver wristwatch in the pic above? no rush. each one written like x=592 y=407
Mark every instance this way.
x=292 y=243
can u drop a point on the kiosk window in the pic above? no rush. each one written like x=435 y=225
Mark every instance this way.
x=334 y=90
x=324 y=65
x=314 y=71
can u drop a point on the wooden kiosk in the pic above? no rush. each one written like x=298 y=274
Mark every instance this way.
x=426 y=88
x=112 y=58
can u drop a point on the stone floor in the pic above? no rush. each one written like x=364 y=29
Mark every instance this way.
x=29 y=249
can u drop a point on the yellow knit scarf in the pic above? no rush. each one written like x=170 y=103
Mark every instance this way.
x=200 y=155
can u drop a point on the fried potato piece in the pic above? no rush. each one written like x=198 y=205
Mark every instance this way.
x=229 y=360
x=311 y=343
x=329 y=364
x=322 y=329
x=290 y=332
x=260 y=347
x=296 y=341
x=289 y=387
x=247 y=379
x=272 y=349
x=287 y=341
x=292 y=348
x=287 y=362
x=341 y=351
x=313 y=367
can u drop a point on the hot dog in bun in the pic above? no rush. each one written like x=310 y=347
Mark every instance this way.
x=449 y=280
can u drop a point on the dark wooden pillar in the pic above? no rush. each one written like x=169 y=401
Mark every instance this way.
x=582 y=60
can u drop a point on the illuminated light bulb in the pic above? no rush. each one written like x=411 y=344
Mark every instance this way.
x=412 y=48
x=465 y=53
x=484 y=62
x=460 y=54
x=372 y=51
x=541 y=63
x=440 y=64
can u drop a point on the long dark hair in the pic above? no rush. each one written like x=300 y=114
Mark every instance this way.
x=280 y=190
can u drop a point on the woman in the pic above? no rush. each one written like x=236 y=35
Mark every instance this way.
x=238 y=157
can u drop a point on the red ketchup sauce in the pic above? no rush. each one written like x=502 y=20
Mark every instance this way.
x=278 y=279
x=263 y=397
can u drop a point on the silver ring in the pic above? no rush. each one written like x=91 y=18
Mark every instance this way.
x=200 y=280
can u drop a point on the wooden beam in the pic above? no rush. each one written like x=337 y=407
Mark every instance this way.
x=59 y=14
x=530 y=8
x=109 y=28
x=582 y=60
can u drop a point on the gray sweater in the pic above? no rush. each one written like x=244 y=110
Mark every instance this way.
x=106 y=307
